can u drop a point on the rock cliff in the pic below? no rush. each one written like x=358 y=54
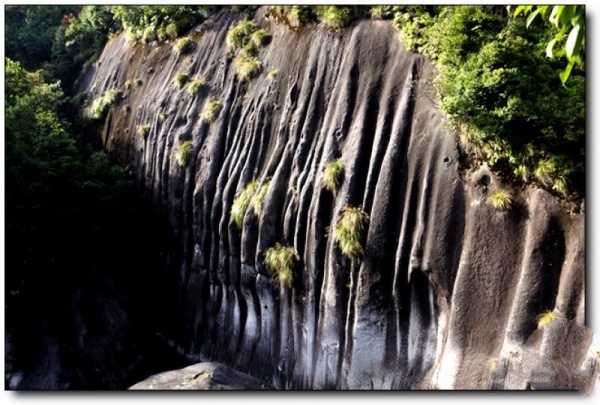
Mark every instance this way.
x=448 y=291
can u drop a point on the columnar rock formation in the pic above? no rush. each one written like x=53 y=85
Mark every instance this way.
x=448 y=291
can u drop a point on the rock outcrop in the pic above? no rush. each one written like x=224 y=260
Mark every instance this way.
x=448 y=291
x=201 y=376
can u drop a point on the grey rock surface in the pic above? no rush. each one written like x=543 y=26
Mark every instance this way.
x=447 y=286
x=201 y=376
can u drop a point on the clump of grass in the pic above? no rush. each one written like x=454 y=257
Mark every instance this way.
x=184 y=45
x=250 y=49
x=180 y=80
x=247 y=67
x=162 y=116
x=332 y=175
x=211 y=110
x=543 y=172
x=238 y=36
x=281 y=260
x=184 y=152
x=260 y=37
x=272 y=74
x=143 y=130
x=501 y=200
x=128 y=85
x=259 y=198
x=348 y=231
x=560 y=186
x=100 y=105
x=195 y=85
x=241 y=203
x=546 y=317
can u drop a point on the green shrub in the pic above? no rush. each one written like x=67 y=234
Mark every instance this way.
x=280 y=260
x=211 y=110
x=171 y=31
x=100 y=105
x=239 y=35
x=332 y=175
x=336 y=16
x=247 y=67
x=184 y=152
x=381 y=12
x=501 y=200
x=297 y=15
x=272 y=74
x=180 y=80
x=241 y=203
x=348 y=231
x=259 y=198
x=260 y=37
x=501 y=93
x=149 y=34
x=195 y=85
x=143 y=130
x=184 y=45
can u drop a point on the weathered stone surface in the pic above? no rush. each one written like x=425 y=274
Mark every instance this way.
x=201 y=376
x=447 y=286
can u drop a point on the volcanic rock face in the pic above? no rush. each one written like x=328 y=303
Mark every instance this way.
x=448 y=290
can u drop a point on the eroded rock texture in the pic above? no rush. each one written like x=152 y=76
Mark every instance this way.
x=448 y=290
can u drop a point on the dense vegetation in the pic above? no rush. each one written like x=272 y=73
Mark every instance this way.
x=502 y=93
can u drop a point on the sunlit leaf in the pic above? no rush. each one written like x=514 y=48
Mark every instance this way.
x=532 y=17
x=549 y=48
x=564 y=75
x=574 y=41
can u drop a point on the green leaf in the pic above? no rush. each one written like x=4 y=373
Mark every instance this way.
x=574 y=42
x=555 y=15
x=564 y=75
x=532 y=17
x=549 y=48
x=566 y=15
x=521 y=9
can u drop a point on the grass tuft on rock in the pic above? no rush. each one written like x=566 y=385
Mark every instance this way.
x=259 y=198
x=349 y=230
x=100 y=105
x=239 y=35
x=242 y=202
x=195 y=85
x=144 y=130
x=546 y=317
x=332 y=175
x=184 y=45
x=280 y=260
x=180 y=80
x=501 y=200
x=211 y=110
x=184 y=153
x=247 y=67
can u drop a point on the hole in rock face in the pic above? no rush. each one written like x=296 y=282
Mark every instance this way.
x=485 y=180
x=446 y=159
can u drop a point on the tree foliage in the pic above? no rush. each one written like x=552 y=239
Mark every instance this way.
x=565 y=19
x=501 y=93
